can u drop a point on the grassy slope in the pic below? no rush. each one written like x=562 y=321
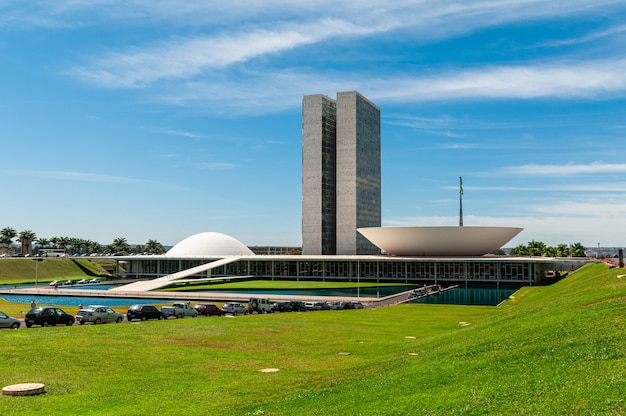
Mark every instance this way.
x=18 y=271
x=551 y=350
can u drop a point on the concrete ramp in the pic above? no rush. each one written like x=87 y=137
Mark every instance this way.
x=147 y=285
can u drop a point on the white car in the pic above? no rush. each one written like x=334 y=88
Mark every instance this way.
x=8 y=322
x=98 y=315
x=234 y=308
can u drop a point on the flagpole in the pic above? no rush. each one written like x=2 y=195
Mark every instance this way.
x=460 y=201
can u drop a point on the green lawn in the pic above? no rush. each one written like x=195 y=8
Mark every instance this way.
x=15 y=271
x=549 y=350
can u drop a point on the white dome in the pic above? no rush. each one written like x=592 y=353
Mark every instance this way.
x=209 y=244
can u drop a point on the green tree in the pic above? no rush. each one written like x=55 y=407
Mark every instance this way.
x=43 y=242
x=93 y=247
x=154 y=247
x=520 y=250
x=7 y=235
x=536 y=248
x=578 y=250
x=562 y=250
x=120 y=245
x=550 y=251
x=26 y=239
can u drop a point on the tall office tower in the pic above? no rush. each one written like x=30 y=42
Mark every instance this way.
x=340 y=173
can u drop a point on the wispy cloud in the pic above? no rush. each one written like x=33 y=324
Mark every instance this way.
x=602 y=187
x=560 y=80
x=564 y=170
x=78 y=176
x=187 y=57
x=218 y=165
x=587 y=38
x=189 y=134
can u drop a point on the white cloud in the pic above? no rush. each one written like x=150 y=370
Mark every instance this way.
x=565 y=170
x=186 y=58
x=587 y=38
x=78 y=176
x=218 y=165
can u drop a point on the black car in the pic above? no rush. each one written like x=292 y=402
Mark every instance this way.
x=45 y=316
x=143 y=312
x=281 y=307
x=208 y=309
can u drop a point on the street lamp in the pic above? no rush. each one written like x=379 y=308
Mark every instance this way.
x=37 y=271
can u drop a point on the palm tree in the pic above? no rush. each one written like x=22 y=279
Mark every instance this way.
x=93 y=247
x=562 y=250
x=520 y=250
x=43 y=242
x=154 y=247
x=7 y=235
x=120 y=245
x=26 y=238
x=578 y=250
x=536 y=248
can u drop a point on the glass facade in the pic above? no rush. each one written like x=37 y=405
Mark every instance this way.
x=377 y=269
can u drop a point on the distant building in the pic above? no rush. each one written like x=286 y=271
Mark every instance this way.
x=341 y=174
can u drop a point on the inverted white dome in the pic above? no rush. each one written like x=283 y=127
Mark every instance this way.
x=209 y=244
x=439 y=241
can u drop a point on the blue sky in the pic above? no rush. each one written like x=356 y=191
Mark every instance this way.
x=161 y=119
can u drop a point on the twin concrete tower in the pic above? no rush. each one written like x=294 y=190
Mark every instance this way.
x=340 y=173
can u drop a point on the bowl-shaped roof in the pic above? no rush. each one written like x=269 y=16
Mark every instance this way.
x=209 y=244
x=439 y=241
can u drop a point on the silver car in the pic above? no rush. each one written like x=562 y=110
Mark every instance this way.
x=98 y=315
x=234 y=308
x=8 y=322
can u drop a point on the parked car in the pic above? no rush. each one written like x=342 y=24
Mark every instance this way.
x=353 y=305
x=55 y=283
x=336 y=306
x=282 y=307
x=312 y=306
x=8 y=322
x=179 y=310
x=298 y=306
x=259 y=305
x=94 y=280
x=208 y=309
x=143 y=312
x=234 y=308
x=98 y=315
x=44 y=316
x=82 y=281
x=69 y=282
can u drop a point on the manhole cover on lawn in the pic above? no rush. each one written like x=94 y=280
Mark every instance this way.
x=25 y=389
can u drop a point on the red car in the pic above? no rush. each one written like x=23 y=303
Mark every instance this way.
x=208 y=309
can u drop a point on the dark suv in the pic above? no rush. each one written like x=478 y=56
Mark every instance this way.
x=143 y=312
x=208 y=309
x=45 y=316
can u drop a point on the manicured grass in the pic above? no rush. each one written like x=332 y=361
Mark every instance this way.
x=15 y=271
x=549 y=350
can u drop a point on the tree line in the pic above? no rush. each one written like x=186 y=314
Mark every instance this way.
x=538 y=248
x=30 y=244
